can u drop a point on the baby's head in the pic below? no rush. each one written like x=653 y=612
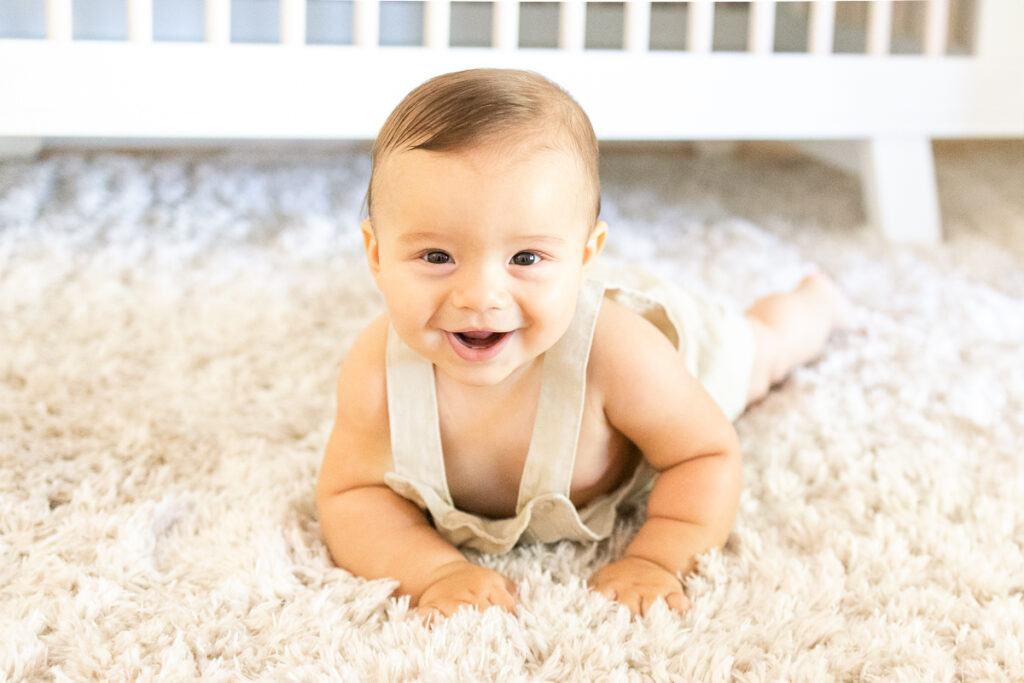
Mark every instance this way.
x=482 y=225
x=483 y=107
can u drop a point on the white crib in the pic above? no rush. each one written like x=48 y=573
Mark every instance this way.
x=872 y=109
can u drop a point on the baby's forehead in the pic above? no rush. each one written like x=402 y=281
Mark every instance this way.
x=491 y=187
x=503 y=157
x=496 y=155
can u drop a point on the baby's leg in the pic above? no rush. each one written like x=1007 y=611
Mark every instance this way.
x=791 y=328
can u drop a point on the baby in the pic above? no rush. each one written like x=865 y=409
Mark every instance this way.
x=505 y=397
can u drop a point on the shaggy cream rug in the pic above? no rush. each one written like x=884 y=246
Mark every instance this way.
x=170 y=330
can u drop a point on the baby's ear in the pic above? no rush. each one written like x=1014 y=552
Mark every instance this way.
x=594 y=245
x=372 y=248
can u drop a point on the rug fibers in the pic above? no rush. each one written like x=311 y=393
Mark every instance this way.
x=171 y=325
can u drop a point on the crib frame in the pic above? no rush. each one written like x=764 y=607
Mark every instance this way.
x=874 y=114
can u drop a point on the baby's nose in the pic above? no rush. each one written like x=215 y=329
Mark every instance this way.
x=480 y=290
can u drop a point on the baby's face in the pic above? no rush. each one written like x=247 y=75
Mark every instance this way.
x=481 y=254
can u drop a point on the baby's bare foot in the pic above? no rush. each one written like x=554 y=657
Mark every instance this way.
x=845 y=316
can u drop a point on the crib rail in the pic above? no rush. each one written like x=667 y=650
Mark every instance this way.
x=939 y=15
x=875 y=107
x=175 y=89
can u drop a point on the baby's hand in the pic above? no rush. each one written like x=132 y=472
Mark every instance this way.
x=637 y=584
x=464 y=584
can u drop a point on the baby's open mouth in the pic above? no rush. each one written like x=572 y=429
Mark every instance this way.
x=479 y=339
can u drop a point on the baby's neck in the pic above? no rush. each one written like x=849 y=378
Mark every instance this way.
x=523 y=381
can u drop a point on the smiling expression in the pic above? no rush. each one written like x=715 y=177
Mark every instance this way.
x=481 y=254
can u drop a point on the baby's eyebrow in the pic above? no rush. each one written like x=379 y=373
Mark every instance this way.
x=553 y=239
x=421 y=236
x=427 y=236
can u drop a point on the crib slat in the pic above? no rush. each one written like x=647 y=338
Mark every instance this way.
x=701 y=26
x=997 y=32
x=505 y=29
x=762 y=27
x=218 y=21
x=58 y=19
x=637 y=31
x=367 y=23
x=140 y=21
x=879 y=28
x=936 y=28
x=572 y=26
x=437 y=24
x=293 y=22
x=823 y=27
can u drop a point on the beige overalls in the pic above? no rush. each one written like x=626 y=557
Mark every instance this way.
x=717 y=347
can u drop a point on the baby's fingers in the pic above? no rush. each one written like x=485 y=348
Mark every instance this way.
x=431 y=614
x=674 y=600
x=496 y=594
x=602 y=586
x=428 y=616
x=505 y=599
x=634 y=601
x=640 y=601
x=678 y=602
x=623 y=594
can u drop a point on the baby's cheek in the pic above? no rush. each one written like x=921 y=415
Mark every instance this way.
x=557 y=312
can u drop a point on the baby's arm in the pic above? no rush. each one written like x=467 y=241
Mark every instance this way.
x=651 y=398
x=369 y=529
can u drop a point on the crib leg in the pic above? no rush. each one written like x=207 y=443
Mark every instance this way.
x=14 y=148
x=900 y=196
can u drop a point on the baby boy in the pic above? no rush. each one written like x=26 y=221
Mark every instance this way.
x=506 y=397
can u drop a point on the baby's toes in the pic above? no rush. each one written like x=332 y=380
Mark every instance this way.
x=845 y=316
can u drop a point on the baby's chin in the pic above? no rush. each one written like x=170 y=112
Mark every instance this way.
x=474 y=377
x=484 y=374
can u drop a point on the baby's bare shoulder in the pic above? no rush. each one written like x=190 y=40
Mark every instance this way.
x=359 y=449
x=362 y=381
x=627 y=346
x=647 y=393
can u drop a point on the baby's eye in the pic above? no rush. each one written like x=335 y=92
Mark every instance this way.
x=525 y=258
x=437 y=258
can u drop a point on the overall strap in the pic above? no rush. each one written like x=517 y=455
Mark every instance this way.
x=556 y=429
x=412 y=416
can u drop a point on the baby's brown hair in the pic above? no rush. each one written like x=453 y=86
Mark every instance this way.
x=460 y=110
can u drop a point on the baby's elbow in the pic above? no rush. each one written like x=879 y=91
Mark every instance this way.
x=732 y=462
x=730 y=486
x=725 y=486
x=330 y=490
x=735 y=459
x=323 y=493
x=730 y=441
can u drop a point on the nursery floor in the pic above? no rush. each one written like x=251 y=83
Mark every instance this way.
x=171 y=325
